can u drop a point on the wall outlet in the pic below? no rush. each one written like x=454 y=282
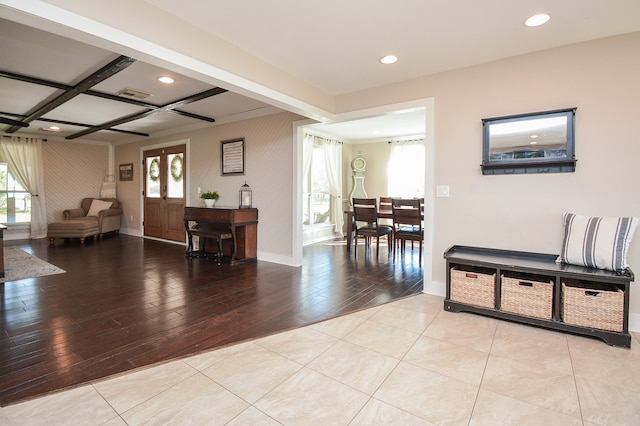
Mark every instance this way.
x=131 y=218
x=199 y=190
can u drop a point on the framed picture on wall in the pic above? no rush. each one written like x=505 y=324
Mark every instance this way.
x=232 y=155
x=126 y=171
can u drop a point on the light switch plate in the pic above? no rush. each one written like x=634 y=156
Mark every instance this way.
x=442 y=191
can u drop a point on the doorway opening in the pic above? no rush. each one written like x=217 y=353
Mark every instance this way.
x=392 y=145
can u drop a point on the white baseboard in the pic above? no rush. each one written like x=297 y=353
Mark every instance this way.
x=634 y=322
x=274 y=258
x=435 y=288
x=133 y=233
x=26 y=235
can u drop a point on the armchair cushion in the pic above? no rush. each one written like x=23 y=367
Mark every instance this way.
x=97 y=206
x=86 y=203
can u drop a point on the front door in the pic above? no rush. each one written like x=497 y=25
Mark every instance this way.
x=164 y=193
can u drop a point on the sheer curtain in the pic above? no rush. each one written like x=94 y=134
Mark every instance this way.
x=24 y=161
x=333 y=171
x=406 y=169
x=333 y=163
x=307 y=154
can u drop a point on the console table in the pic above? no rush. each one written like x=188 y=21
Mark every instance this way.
x=532 y=288
x=242 y=224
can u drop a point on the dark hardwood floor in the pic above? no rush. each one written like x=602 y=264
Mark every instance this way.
x=126 y=302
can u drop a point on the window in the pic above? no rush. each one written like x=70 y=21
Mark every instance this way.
x=317 y=202
x=15 y=202
x=321 y=189
x=406 y=169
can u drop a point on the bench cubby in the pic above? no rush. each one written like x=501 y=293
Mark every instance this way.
x=534 y=289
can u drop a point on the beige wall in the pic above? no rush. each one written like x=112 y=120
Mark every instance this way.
x=72 y=171
x=269 y=172
x=375 y=175
x=524 y=212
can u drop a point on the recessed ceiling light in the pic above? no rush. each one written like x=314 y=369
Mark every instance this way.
x=536 y=20
x=51 y=129
x=165 y=79
x=389 y=59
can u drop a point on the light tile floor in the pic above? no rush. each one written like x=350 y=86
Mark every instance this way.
x=405 y=363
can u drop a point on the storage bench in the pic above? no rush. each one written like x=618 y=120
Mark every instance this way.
x=532 y=288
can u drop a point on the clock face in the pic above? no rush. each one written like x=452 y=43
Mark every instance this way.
x=359 y=164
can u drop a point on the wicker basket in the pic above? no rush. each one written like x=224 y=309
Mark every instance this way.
x=474 y=286
x=529 y=295
x=593 y=305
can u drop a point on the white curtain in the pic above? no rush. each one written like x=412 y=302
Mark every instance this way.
x=307 y=155
x=406 y=169
x=24 y=161
x=333 y=164
x=333 y=170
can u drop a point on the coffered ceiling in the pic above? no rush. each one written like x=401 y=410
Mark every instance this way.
x=73 y=64
x=94 y=94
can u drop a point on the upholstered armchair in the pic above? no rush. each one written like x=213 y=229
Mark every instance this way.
x=106 y=212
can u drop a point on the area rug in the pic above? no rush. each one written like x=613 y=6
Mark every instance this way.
x=18 y=265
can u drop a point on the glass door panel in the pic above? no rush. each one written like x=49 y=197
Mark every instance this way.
x=153 y=177
x=175 y=187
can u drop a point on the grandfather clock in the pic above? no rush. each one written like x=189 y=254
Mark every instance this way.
x=357 y=165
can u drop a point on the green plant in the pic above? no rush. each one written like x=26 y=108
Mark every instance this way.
x=210 y=195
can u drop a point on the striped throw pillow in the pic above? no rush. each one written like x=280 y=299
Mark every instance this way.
x=597 y=242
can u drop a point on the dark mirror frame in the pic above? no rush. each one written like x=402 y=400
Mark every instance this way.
x=522 y=158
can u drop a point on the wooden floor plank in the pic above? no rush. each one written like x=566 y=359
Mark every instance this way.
x=125 y=303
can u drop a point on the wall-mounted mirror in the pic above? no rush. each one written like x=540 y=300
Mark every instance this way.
x=541 y=142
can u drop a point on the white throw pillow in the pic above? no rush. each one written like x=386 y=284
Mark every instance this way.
x=597 y=242
x=97 y=206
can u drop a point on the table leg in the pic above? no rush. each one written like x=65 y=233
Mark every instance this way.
x=235 y=243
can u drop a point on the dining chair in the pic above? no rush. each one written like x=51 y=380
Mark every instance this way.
x=365 y=213
x=385 y=203
x=407 y=224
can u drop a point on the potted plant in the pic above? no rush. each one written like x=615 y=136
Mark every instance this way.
x=209 y=198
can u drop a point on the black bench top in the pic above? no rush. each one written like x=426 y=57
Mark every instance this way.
x=530 y=262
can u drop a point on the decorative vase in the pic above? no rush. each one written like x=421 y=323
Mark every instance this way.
x=209 y=202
